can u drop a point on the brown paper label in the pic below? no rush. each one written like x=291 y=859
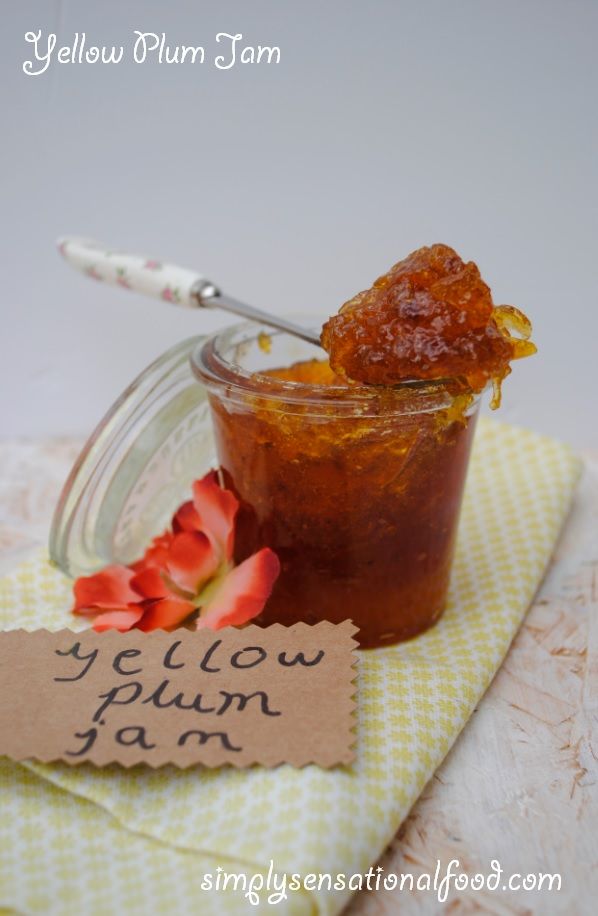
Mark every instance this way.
x=257 y=695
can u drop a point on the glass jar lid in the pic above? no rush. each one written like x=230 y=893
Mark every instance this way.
x=136 y=468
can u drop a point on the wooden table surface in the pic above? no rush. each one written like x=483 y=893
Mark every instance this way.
x=521 y=783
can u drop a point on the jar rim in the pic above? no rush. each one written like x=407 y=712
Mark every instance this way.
x=216 y=371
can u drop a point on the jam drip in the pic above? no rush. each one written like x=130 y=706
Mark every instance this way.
x=430 y=317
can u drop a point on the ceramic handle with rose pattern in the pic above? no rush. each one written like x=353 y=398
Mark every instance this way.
x=166 y=281
x=144 y=275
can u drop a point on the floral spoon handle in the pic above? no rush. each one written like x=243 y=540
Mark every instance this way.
x=165 y=281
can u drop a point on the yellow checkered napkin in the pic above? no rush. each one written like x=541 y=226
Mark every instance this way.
x=111 y=841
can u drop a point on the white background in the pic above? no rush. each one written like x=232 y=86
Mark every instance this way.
x=387 y=125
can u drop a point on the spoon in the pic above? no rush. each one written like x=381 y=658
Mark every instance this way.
x=168 y=282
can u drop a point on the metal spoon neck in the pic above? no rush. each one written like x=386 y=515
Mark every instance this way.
x=209 y=296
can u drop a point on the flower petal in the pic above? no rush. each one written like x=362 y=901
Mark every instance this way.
x=216 y=509
x=156 y=554
x=110 y=588
x=243 y=593
x=118 y=620
x=192 y=560
x=165 y=614
x=186 y=518
x=149 y=583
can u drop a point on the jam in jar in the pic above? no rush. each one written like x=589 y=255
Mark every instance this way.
x=356 y=489
x=350 y=464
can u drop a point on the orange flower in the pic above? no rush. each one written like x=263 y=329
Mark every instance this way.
x=187 y=569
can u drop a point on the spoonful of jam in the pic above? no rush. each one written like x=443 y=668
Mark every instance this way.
x=430 y=317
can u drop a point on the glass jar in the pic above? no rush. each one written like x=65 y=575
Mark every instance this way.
x=357 y=489
x=136 y=467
